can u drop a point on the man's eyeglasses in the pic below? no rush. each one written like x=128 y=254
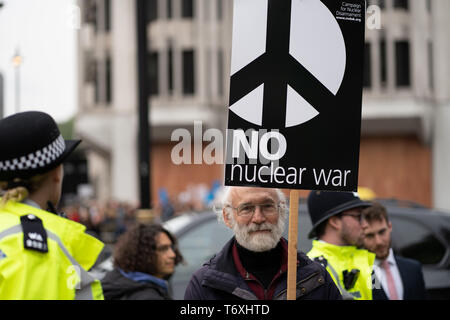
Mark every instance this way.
x=247 y=210
x=358 y=215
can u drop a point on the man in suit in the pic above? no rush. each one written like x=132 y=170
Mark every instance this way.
x=400 y=278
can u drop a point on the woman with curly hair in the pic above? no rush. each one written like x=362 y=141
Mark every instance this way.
x=144 y=258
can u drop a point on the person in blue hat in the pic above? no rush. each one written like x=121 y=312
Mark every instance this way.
x=338 y=224
x=42 y=254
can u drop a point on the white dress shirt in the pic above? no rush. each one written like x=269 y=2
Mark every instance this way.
x=381 y=275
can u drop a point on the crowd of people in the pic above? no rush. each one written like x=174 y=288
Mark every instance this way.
x=107 y=220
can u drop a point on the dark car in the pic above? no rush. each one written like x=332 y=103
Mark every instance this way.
x=418 y=233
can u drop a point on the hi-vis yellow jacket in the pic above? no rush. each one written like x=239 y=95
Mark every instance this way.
x=337 y=259
x=59 y=273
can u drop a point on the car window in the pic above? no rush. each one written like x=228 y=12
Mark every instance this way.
x=197 y=246
x=413 y=240
x=304 y=227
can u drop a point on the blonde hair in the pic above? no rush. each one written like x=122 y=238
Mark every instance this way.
x=19 y=189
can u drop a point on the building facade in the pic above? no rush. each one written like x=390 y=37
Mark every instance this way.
x=188 y=58
x=401 y=146
x=404 y=142
x=441 y=117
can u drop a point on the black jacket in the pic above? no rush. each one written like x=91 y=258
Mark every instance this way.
x=218 y=279
x=118 y=287
x=412 y=279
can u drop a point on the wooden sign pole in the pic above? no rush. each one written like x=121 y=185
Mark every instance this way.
x=292 y=245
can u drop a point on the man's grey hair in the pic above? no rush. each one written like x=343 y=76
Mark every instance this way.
x=223 y=202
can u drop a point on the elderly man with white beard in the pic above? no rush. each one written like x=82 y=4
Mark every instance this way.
x=253 y=264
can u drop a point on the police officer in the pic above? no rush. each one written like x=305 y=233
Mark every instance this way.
x=42 y=255
x=338 y=226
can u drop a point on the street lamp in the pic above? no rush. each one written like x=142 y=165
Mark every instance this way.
x=17 y=61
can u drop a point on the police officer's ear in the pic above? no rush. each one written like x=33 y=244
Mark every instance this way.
x=335 y=222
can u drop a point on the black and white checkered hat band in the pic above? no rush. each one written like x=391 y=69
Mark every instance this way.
x=38 y=159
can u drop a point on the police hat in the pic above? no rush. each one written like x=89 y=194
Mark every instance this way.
x=325 y=204
x=30 y=144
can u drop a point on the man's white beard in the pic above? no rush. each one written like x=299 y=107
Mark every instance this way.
x=259 y=242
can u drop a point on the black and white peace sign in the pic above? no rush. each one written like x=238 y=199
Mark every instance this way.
x=288 y=61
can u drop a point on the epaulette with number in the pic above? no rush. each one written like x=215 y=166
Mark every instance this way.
x=34 y=234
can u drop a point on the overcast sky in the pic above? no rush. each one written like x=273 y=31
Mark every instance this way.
x=44 y=31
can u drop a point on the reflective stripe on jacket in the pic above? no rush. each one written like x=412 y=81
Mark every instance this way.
x=58 y=274
x=341 y=258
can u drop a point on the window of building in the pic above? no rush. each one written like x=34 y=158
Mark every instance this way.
x=188 y=72
x=98 y=72
x=220 y=73
x=430 y=65
x=169 y=9
x=107 y=15
x=90 y=13
x=383 y=63
x=219 y=10
x=402 y=62
x=170 y=69
x=151 y=7
x=208 y=88
x=401 y=4
x=367 y=72
x=153 y=87
x=108 y=81
x=187 y=8
x=97 y=82
x=429 y=8
x=90 y=68
x=206 y=10
x=379 y=3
